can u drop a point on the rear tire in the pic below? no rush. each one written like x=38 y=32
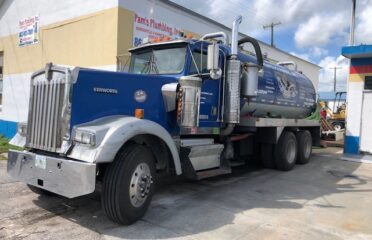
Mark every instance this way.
x=304 y=146
x=267 y=155
x=286 y=151
x=128 y=184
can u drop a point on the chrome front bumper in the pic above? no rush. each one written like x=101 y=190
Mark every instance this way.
x=58 y=175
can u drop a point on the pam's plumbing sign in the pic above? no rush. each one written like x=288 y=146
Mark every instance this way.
x=148 y=27
x=29 y=31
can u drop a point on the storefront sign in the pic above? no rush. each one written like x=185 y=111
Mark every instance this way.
x=29 y=31
x=146 y=27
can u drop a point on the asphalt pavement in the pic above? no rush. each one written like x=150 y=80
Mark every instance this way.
x=325 y=199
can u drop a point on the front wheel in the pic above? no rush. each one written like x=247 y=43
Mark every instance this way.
x=128 y=185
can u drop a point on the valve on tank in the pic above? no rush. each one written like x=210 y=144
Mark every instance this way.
x=249 y=79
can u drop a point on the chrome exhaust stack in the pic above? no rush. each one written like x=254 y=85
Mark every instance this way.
x=232 y=81
x=235 y=36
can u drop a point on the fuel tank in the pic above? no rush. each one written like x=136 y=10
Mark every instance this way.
x=281 y=93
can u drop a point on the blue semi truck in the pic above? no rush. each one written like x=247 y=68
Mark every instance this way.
x=192 y=107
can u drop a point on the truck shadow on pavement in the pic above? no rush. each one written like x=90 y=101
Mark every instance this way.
x=238 y=203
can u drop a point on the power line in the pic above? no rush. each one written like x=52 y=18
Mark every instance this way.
x=253 y=12
x=272 y=25
x=239 y=9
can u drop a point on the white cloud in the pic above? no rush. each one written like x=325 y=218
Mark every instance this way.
x=257 y=13
x=318 y=52
x=316 y=25
x=311 y=54
x=319 y=30
x=292 y=13
x=326 y=76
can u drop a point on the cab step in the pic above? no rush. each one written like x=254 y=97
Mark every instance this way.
x=237 y=163
x=201 y=158
x=212 y=173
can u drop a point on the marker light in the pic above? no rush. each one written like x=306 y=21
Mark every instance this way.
x=139 y=113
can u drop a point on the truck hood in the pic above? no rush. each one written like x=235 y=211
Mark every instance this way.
x=98 y=94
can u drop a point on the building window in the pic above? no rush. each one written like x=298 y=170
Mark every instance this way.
x=368 y=83
x=1 y=78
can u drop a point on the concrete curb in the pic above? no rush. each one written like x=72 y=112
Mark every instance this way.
x=357 y=158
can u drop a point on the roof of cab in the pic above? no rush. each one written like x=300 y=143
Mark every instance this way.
x=152 y=44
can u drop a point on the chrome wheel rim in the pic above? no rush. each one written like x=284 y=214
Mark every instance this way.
x=291 y=151
x=140 y=185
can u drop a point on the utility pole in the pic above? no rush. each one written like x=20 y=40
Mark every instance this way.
x=272 y=25
x=334 y=76
x=352 y=23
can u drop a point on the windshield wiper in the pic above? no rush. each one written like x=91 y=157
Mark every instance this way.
x=150 y=65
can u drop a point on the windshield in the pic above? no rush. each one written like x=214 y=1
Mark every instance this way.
x=158 y=61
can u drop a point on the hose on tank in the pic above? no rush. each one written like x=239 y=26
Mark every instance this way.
x=256 y=47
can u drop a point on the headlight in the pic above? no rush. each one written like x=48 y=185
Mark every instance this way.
x=85 y=137
x=22 y=129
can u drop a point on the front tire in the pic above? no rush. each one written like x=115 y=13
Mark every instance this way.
x=286 y=151
x=128 y=185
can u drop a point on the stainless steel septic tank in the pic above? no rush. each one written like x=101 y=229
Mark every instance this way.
x=272 y=90
x=281 y=92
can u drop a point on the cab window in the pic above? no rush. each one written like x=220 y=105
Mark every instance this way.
x=200 y=61
x=158 y=61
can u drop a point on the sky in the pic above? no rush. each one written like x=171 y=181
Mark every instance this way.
x=314 y=30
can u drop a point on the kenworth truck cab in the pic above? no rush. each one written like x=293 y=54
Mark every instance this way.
x=193 y=107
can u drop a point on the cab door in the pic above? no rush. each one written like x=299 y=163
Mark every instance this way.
x=210 y=105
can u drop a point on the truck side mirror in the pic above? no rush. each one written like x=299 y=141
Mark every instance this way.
x=213 y=57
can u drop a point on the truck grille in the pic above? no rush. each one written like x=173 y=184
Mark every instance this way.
x=47 y=109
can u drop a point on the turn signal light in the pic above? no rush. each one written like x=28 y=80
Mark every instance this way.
x=139 y=113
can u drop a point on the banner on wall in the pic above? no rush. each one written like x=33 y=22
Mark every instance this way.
x=147 y=27
x=29 y=31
